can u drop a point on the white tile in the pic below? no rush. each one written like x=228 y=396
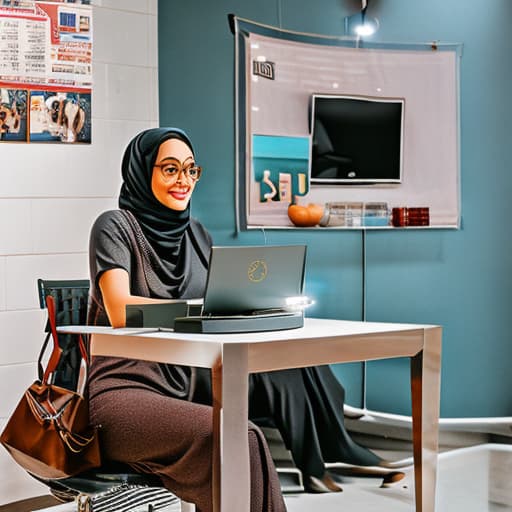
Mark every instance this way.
x=63 y=225
x=20 y=177
x=124 y=131
x=2 y=283
x=18 y=174
x=22 y=272
x=16 y=484
x=153 y=7
x=152 y=41
x=68 y=170
x=22 y=335
x=101 y=176
x=15 y=232
x=127 y=5
x=126 y=45
x=128 y=93
x=153 y=94
x=86 y=173
x=99 y=92
x=14 y=380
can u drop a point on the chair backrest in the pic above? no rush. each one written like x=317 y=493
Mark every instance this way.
x=70 y=299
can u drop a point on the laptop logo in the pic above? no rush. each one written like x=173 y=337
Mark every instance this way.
x=257 y=271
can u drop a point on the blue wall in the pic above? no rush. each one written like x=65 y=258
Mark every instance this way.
x=459 y=279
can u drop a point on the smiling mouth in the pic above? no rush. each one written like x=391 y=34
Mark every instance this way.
x=179 y=194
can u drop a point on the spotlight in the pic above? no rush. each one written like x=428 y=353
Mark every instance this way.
x=367 y=28
x=359 y=25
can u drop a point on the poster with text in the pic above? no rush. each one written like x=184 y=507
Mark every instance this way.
x=46 y=47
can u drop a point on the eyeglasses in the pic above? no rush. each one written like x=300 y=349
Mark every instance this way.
x=171 y=170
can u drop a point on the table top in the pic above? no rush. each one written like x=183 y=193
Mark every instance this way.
x=314 y=328
x=320 y=341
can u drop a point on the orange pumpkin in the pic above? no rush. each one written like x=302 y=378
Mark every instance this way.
x=316 y=212
x=305 y=216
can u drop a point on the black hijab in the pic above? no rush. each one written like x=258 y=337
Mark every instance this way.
x=162 y=226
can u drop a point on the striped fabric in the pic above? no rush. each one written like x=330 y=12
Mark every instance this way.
x=127 y=498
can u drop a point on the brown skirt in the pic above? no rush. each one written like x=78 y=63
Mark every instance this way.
x=172 y=438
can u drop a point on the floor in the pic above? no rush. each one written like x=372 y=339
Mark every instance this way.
x=475 y=479
x=363 y=495
x=38 y=503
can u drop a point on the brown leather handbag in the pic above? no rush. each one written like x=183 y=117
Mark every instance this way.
x=49 y=434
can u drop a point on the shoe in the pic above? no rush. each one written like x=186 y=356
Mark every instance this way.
x=389 y=477
x=330 y=483
x=325 y=484
x=392 y=478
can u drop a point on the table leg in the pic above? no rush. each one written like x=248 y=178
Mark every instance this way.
x=231 y=478
x=425 y=390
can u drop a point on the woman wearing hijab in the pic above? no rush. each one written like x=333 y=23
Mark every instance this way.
x=157 y=417
x=149 y=249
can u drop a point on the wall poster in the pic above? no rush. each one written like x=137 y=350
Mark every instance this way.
x=45 y=71
x=357 y=134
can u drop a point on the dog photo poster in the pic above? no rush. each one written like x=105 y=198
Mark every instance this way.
x=60 y=116
x=13 y=114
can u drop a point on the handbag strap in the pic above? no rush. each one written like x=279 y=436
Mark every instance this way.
x=57 y=349
x=40 y=371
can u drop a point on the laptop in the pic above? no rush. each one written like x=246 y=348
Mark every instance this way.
x=250 y=288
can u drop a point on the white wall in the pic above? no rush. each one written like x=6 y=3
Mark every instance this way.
x=51 y=194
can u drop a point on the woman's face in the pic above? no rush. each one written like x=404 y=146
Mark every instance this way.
x=171 y=182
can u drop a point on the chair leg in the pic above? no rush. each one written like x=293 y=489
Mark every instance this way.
x=187 y=507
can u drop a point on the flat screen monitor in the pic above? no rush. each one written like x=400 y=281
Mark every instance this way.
x=356 y=139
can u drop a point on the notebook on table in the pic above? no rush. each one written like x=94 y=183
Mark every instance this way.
x=250 y=288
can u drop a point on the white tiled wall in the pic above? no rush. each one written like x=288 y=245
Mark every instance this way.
x=50 y=194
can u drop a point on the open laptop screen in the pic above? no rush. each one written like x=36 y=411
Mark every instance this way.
x=246 y=279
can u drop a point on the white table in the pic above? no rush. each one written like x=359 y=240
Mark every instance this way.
x=233 y=356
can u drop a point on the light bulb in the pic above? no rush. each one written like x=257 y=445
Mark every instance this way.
x=366 y=29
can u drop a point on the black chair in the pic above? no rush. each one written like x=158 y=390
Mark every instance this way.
x=71 y=299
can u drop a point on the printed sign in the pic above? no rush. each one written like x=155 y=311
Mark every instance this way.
x=45 y=70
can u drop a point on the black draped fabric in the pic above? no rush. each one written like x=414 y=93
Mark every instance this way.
x=306 y=405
